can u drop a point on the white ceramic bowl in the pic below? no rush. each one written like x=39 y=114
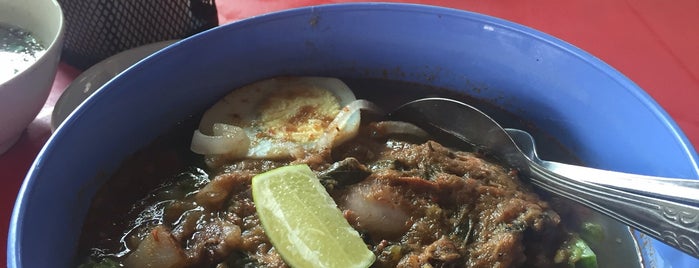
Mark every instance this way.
x=22 y=96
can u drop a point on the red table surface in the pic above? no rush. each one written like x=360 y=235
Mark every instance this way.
x=654 y=43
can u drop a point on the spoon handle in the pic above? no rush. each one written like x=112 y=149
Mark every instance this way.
x=674 y=223
x=680 y=190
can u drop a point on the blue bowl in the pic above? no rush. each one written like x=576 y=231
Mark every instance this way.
x=590 y=108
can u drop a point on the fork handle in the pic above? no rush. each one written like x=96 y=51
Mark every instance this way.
x=672 y=222
x=680 y=190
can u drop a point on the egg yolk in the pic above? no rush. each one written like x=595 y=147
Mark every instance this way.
x=299 y=114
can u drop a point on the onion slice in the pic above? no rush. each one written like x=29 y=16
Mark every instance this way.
x=227 y=140
x=345 y=125
x=389 y=128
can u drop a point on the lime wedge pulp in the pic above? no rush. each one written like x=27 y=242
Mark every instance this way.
x=303 y=222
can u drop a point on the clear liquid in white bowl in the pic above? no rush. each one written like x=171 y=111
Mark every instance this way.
x=18 y=50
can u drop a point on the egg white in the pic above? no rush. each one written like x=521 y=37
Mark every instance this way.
x=283 y=117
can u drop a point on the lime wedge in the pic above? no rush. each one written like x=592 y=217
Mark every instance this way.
x=303 y=222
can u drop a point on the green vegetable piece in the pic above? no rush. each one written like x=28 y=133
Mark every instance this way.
x=576 y=253
x=592 y=232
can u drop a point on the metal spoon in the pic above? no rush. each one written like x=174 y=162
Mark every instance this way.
x=664 y=208
x=681 y=190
